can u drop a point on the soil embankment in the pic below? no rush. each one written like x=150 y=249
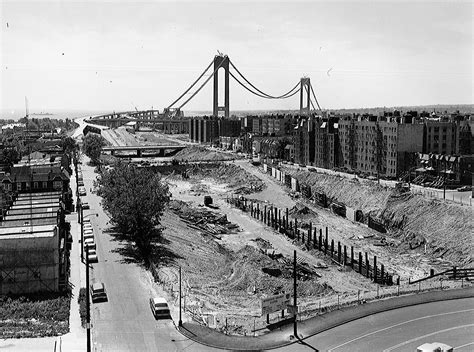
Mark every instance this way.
x=441 y=228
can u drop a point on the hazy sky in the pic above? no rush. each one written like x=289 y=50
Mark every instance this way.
x=110 y=55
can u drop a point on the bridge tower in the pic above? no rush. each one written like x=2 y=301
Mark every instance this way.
x=305 y=88
x=223 y=62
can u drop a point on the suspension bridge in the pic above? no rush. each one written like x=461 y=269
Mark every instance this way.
x=308 y=101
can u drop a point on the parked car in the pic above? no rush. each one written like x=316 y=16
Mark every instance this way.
x=464 y=189
x=85 y=205
x=159 y=307
x=89 y=243
x=92 y=256
x=82 y=191
x=98 y=292
x=88 y=235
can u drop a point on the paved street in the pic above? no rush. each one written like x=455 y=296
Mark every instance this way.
x=125 y=322
x=450 y=322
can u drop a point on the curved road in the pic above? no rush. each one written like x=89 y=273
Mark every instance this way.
x=450 y=322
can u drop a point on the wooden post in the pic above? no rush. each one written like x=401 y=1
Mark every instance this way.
x=339 y=251
x=360 y=263
x=375 y=268
x=382 y=273
x=345 y=255
x=320 y=242
x=265 y=216
x=287 y=218
x=314 y=237
x=326 y=244
x=352 y=257
x=367 y=264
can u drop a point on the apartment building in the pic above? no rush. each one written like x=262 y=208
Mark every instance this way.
x=441 y=137
x=378 y=145
x=326 y=147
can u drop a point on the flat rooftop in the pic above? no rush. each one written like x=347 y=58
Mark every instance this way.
x=24 y=230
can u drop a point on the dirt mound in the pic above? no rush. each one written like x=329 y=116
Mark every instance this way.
x=302 y=212
x=238 y=180
x=445 y=228
x=198 y=153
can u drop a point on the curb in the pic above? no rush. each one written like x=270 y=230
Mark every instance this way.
x=313 y=326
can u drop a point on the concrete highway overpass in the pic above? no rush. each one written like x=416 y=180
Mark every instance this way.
x=139 y=151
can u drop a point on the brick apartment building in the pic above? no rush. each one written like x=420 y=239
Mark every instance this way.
x=379 y=145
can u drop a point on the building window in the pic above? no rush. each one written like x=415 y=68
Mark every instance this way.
x=45 y=184
x=18 y=186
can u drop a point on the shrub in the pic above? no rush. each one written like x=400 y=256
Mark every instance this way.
x=82 y=306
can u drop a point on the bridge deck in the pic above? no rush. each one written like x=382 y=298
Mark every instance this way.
x=143 y=147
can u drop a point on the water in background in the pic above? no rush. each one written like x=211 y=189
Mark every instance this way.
x=15 y=114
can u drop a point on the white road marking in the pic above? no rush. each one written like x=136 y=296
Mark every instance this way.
x=467 y=344
x=427 y=335
x=399 y=324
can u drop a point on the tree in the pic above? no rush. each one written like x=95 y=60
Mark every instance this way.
x=135 y=199
x=92 y=147
x=70 y=146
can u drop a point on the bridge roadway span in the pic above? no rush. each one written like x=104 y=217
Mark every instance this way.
x=139 y=149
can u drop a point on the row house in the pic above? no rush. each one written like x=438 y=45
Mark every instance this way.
x=458 y=169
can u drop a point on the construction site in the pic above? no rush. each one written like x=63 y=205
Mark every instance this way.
x=233 y=227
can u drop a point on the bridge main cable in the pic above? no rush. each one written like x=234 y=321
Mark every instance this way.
x=205 y=82
x=263 y=94
x=192 y=85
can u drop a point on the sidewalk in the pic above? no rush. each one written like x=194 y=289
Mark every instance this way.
x=284 y=335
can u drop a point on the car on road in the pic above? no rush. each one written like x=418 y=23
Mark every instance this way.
x=92 y=256
x=464 y=189
x=82 y=191
x=98 y=292
x=159 y=307
x=85 y=205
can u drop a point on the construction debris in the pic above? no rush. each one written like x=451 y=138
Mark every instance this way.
x=204 y=220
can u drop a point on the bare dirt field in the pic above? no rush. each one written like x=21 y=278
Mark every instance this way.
x=227 y=273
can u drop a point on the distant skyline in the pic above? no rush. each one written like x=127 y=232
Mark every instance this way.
x=97 y=55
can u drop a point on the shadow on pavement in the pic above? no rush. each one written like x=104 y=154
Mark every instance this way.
x=130 y=253
x=304 y=343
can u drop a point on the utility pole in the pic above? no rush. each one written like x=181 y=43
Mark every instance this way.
x=444 y=183
x=82 y=231
x=88 y=308
x=295 y=329
x=180 y=323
